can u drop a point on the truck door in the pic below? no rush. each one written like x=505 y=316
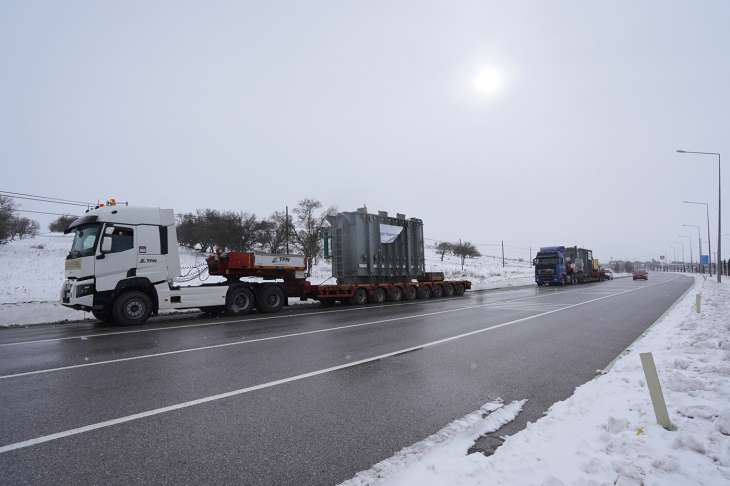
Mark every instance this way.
x=120 y=262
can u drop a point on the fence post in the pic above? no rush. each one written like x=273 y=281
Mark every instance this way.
x=655 y=390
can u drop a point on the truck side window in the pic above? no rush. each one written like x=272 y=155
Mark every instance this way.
x=122 y=239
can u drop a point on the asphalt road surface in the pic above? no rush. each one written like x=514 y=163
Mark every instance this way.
x=308 y=396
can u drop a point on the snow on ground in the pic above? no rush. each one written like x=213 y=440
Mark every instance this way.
x=606 y=433
x=32 y=275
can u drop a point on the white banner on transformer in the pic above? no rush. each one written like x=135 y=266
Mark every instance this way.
x=389 y=233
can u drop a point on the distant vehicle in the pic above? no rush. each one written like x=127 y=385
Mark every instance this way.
x=641 y=274
x=609 y=274
x=561 y=265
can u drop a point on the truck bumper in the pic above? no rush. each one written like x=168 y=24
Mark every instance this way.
x=67 y=297
x=549 y=279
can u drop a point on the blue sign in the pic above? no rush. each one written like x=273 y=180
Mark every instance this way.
x=704 y=259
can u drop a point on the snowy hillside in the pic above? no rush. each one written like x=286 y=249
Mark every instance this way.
x=32 y=274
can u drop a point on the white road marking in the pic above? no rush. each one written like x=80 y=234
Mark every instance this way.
x=157 y=411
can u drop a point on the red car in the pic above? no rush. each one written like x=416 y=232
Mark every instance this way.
x=641 y=274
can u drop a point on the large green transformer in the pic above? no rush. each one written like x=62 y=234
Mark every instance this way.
x=375 y=248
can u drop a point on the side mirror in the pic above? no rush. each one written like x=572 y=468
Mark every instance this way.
x=106 y=244
x=561 y=261
x=534 y=262
x=109 y=230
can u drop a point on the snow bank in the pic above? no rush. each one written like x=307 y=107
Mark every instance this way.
x=606 y=433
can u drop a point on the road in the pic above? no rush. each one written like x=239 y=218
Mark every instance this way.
x=309 y=396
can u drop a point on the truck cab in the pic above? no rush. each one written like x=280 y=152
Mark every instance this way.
x=551 y=266
x=122 y=263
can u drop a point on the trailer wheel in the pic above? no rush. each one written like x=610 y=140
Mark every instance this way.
x=132 y=309
x=438 y=291
x=396 y=294
x=411 y=292
x=450 y=290
x=360 y=297
x=239 y=302
x=377 y=297
x=425 y=292
x=272 y=299
x=101 y=315
x=460 y=289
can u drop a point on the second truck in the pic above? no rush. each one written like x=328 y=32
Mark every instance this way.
x=560 y=265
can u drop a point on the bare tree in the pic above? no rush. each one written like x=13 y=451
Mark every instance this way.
x=60 y=224
x=7 y=214
x=274 y=232
x=22 y=227
x=443 y=248
x=311 y=228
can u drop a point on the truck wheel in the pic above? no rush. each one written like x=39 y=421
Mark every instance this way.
x=450 y=290
x=360 y=297
x=460 y=289
x=438 y=291
x=132 y=309
x=411 y=292
x=239 y=302
x=425 y=292
x=562 y=281
x=377 y=297
x=101 y=315
x=396 y=294
x=272 y=299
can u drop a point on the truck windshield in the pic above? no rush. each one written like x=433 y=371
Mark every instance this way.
x=84 y=240
x=547 y=261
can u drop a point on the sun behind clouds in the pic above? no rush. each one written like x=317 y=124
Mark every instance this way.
x=488 y=80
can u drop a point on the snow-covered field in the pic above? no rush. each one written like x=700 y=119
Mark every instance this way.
x=606 y=433
x=32 y=274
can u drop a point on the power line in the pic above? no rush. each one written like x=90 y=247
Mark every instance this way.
x=42 y=212
x=47 y=199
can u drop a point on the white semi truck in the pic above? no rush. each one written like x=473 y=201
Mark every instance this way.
x=124 y=260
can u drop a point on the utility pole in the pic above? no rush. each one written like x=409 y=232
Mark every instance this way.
x=287 y=230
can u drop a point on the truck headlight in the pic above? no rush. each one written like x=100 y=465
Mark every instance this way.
x=85 y=289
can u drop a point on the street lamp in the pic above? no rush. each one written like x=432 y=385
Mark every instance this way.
x=683 y=260
x=691 y=260
x=709 y=238
x=699 y=237
x=719 y=204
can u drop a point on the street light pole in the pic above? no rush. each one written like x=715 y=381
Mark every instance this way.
x=719 y=204
x=709 y=238
x=699 y=237
x=683 y=260
x=691 y=259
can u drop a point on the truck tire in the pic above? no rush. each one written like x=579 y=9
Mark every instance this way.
x=425 y=292
x=132 y=308
x=562 y=281
x=460 y=289
x=438 y=291
x=101 y=315
x=360 y=297
x=272 y=299
x=377 y=297
x=450 y=290
x=396 y=294
x=239 y=302
x=411 y=292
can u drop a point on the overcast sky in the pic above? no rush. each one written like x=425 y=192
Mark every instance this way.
x=536 y=123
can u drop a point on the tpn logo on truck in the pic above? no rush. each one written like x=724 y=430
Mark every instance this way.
x=280 y=260
x=148 y=260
